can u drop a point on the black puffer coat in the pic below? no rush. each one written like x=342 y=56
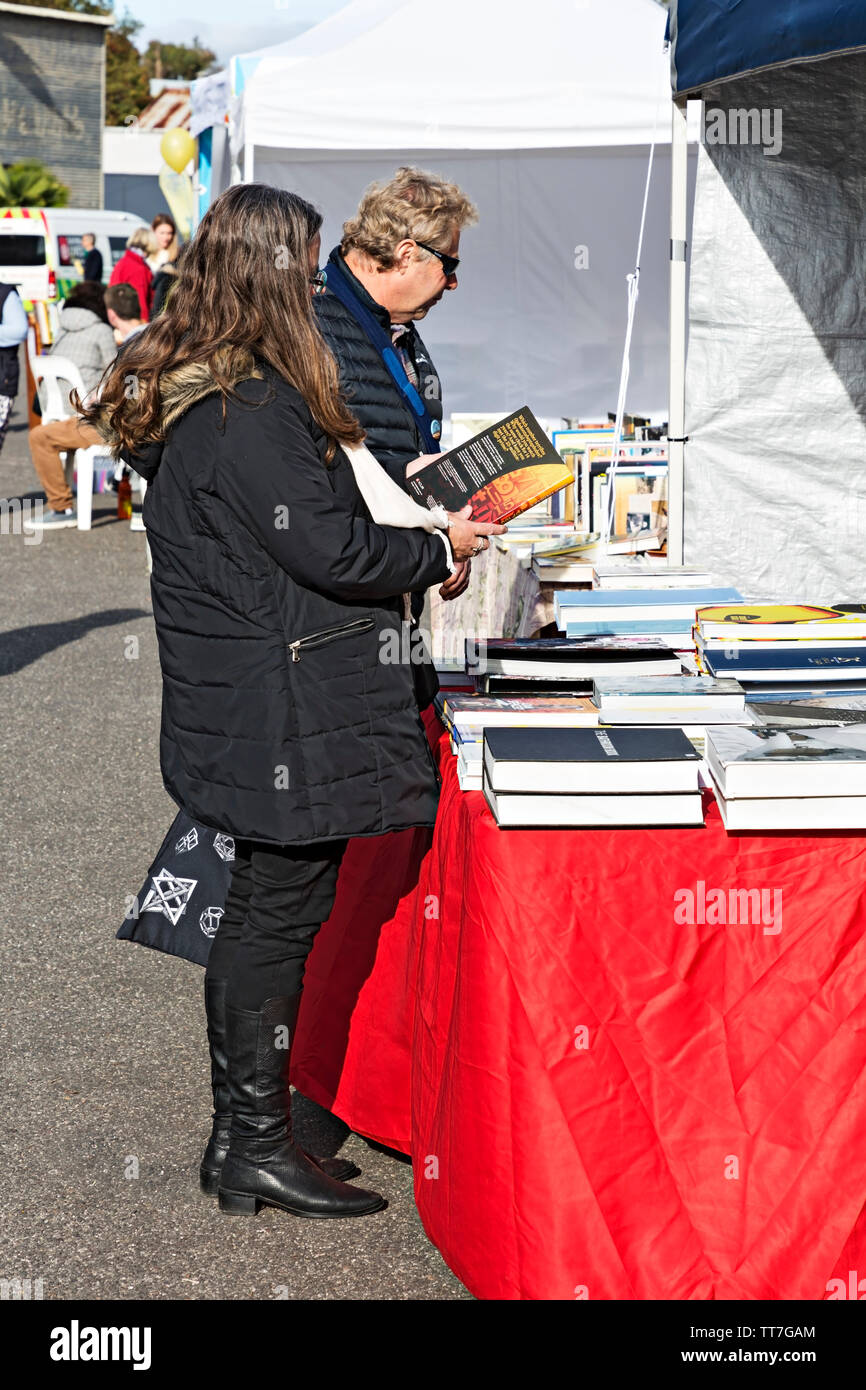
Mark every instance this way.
x=392 y=433
x=271 y=589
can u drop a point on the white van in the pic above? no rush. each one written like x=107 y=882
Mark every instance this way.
x=41 y=251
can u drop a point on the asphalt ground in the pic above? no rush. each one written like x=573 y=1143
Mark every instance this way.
x=104 y=1073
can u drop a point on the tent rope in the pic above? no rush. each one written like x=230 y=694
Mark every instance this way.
x=633 y=293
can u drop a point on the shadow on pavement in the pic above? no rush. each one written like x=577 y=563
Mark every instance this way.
x=22 y=645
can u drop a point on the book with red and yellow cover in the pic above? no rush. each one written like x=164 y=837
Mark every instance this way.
x=779 y=622
x=501 y=473
x=483 y=711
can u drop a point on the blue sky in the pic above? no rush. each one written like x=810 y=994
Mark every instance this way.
x=226 y=26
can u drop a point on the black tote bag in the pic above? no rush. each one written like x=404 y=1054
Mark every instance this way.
x=181 y=904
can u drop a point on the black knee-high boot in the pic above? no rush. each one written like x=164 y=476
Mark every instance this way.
x=264 y=1166
x=217 y=1146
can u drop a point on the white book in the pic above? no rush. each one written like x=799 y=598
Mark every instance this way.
x=659 y=692
x=775 y=762
x=583 y=670
x=651 y=575
x=468 y=781
x=540 y=810
x=686 y=719
x=554 y=571
x=792 y=813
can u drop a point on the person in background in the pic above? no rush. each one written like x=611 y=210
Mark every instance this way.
x=398 y=256
x=92 y=258
x=270 y=647
x=133 y=269
x=167 y=243
x=84 y=334
x=13 y=331
x=164 y=280
x=121 y=307
x=48 y=442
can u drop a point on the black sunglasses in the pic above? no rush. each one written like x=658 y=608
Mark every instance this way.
x=449 y=263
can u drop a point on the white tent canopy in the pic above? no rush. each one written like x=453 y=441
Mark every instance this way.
x=545 y=120
x=405 y=74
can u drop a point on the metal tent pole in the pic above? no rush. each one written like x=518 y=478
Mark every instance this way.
x=678 y=325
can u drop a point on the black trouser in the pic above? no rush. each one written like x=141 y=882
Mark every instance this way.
x=278 y=898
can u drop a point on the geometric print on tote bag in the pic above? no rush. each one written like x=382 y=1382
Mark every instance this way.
x=183 y=898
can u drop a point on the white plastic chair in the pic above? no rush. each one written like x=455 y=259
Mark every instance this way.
x=32 y=355
x=49 y=372
x=85 y=461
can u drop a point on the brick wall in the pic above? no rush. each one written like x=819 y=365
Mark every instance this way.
x=52 y=81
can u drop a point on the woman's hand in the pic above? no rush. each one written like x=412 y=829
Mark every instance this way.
x=420 y=462
x=458 y=582
x=469 y=538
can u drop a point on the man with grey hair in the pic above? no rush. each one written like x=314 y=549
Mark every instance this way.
x=398 y=256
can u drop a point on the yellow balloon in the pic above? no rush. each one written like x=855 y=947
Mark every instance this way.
x=177 y=148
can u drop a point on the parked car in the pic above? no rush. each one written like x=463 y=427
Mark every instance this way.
x=41 y=251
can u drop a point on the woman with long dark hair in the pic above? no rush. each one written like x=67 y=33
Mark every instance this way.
x=276 y=596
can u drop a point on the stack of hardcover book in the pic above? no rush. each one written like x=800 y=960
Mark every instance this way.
x=789 y=779
x=553 y=665
x=591 y=777
x=639 y=699
x=467 y=716
x=692 y=703
x=668 y=615
x=563 y=566
x=647 y=573
x=774 y=648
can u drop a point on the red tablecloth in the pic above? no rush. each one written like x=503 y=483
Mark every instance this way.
x=601 y=1097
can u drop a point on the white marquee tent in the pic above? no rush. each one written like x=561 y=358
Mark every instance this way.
x=544 y=116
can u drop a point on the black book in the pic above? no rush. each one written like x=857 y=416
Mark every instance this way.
x=531 y=685
x=582 y=761
x=572 y=658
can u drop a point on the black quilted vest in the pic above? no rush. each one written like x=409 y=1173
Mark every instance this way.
x=392 y=435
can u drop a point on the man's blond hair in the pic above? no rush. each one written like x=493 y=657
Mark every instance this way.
x=414 y=204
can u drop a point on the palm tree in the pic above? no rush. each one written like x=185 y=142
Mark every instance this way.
x=28 y=184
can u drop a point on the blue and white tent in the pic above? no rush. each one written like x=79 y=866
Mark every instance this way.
x=775 y=387
x=717 y=40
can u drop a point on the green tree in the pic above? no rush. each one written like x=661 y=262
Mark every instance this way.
x=177 y=60
x=28 y=184
x=126 y=86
